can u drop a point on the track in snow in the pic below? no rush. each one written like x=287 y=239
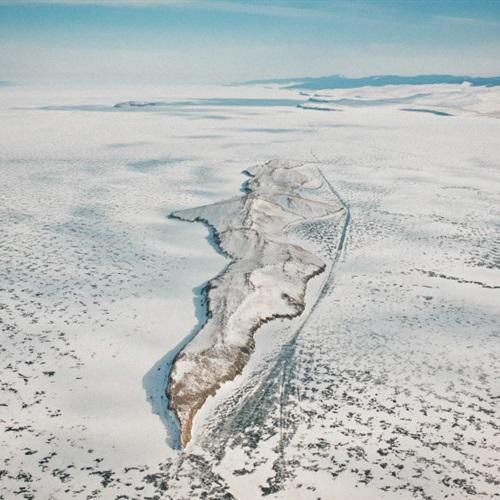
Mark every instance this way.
x=262 y=406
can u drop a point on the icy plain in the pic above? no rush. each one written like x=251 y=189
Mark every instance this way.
x=384 y=387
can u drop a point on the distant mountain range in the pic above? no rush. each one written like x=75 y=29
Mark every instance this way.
x=344 y=82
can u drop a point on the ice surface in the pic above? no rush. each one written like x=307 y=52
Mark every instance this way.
x=440 y=99
x=385 y=387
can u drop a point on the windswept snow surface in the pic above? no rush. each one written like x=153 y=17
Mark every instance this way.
x=384 y=387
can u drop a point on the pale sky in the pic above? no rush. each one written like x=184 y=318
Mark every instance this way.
x=162 y=41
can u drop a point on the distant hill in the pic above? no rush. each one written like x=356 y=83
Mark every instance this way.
x=344 y=82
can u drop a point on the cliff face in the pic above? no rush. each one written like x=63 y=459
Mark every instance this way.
x=266 y=279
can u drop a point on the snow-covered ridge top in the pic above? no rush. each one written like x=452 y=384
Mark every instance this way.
x=266 y=279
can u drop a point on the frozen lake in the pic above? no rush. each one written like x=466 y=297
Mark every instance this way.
x=389 y=389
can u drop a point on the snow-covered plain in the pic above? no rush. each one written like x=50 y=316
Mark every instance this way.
x=385 y=387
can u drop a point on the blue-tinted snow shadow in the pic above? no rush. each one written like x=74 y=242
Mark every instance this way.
x=423 y=110
x=180 y=106
x=123 y=145
x=317 y=108
x=361 y=102
x=274 y=130
x=155 y=381
x=153 y=164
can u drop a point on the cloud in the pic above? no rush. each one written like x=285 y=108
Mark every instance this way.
x=467 y=21
x=263 y=9
x=131 y=3
x=104 y=3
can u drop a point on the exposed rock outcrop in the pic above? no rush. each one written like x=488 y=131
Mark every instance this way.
x=266 y=279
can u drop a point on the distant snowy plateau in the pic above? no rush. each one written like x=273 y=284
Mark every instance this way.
x=250 y=291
